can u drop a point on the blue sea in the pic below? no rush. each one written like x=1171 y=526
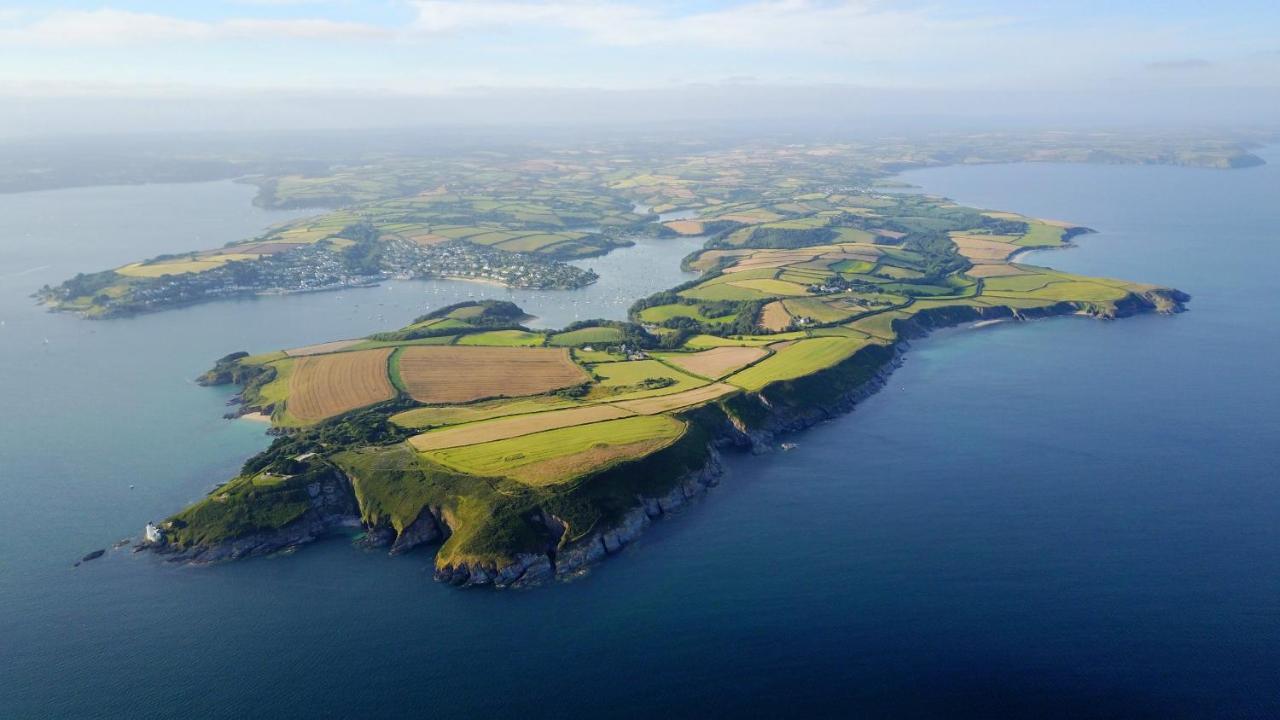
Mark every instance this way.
x=1064 y=518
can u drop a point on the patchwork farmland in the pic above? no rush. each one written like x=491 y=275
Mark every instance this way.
x=521 y=442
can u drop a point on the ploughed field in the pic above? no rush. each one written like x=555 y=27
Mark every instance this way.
x=323 y=386
x=444 y=375
x=523 y=441
x=715 y=362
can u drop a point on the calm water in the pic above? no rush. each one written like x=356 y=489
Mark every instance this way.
x=1064 y=518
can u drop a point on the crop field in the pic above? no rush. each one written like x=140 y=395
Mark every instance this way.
x=626 y=380
x=801 y=358
x=749 y=217
x=855 y=304
x=708 y=258
x=1014 y=302
x=515 y=426
x=686 y=227
x=881 y=324
x=254 y=249
x=980 y=248
x=821 y=264
x=566 y=467
x=900 y=273
x=667 y=403
x=923 y=305
x=772 y=287
x=658 y=313
x=562 y=454
x=990 y=270
x=323 y=386
x=595 y=356
x=503 y=338
x=1042 y=234
x=303 y=234
x=537 y=241
x=702 y=342
x=586 y=336
x=1068 y=290
x=180 y=266
x=770 y=259
x=1021 y=283
x=839 y=331
x=434 y=340
x=774 y=316
x=823 y=311
x=453 y=374
x=716 y=362
x=818 y=260
x=852 y=266
x=738 y=287
x=721 y=291
x=321 y=348
x=809 y=275
x=425 y=417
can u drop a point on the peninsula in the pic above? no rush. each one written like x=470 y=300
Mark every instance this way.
x=529 y=454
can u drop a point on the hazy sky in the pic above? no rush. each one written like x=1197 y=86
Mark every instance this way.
x=416 y=48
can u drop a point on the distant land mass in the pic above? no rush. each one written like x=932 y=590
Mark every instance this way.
x=520 y=217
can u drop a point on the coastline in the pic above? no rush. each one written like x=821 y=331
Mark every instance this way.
x=336 y=508
x=506 y=561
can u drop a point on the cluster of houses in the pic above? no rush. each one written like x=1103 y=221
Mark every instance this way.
x=466 y=260
x=316 y=267
x=307 y=269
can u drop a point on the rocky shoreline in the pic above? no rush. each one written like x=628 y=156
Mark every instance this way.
x=335 y=507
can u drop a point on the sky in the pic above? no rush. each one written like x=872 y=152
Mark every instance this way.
x=928 y=56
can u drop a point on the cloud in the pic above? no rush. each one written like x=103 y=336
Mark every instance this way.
x=861 y=25
x=287 y=3
x=1179 y=65
x=626 y=44
x=108 y=27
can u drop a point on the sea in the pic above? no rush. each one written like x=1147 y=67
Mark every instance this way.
x=1060 y=518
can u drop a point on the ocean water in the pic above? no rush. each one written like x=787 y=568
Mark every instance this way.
x=1067 y=518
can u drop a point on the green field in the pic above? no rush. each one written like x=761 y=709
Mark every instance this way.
x=504 y=456
x=702 y=342
x=503 y=338
x=424 y=417
x=659 y=313
x=817 y=309
x=1041 y=235
x=805 y=357
x=626 y=380
x=586 y=336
